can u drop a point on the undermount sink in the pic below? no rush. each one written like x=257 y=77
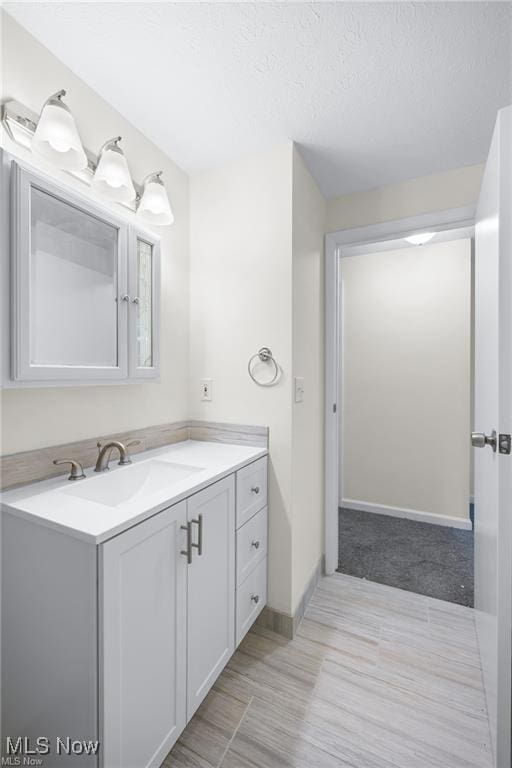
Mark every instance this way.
x=113 y=489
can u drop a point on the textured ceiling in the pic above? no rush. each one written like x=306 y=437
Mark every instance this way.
x=374 y=93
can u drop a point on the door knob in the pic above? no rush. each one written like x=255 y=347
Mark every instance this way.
x=480 y=440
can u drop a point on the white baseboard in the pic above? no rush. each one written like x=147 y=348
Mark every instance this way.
x=409 y=514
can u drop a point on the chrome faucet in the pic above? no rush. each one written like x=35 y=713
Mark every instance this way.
x=105 y=453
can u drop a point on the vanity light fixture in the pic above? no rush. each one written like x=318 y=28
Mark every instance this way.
x=421 y=238
x=112 y=176
x=56 y=135
x=154 y=206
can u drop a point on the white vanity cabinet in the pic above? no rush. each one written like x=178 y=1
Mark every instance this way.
x=143 y=640
x=167 y=622
x=121 y=641
x=211 y=587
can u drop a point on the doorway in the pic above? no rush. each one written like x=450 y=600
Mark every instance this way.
x=451 y=224
x=493 y=376
x=405 y=341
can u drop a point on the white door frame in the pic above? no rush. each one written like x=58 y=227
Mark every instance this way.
x=335 y=243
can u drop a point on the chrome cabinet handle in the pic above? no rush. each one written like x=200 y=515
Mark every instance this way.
x=255 y=544
x=188 y=551
x=255 y=599
x=199 y=545
x=255 y=489
x=77 y=472
x=480 y=440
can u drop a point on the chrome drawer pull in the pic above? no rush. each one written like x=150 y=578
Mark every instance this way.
x=255 y=544
x=255 y=489
x=255 y=599
x=199 y=545
x=188 y=551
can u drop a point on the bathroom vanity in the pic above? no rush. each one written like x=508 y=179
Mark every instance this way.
x=124 y=596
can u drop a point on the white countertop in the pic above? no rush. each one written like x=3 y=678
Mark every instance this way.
x=52 y=502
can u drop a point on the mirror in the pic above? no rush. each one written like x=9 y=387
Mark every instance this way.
x=73 y=285
x=144 y=304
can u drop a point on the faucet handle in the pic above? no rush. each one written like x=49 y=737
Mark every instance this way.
x=77 y=472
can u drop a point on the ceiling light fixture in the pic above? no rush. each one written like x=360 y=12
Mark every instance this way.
x=154 y=206
x=56 y=136
x=421 y=238
x=112 y=175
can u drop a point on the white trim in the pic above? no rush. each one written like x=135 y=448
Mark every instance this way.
x=452 y=218
x=408 y=514
x=331 y=405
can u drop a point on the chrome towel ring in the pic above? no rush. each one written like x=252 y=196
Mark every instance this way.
x=264 y=355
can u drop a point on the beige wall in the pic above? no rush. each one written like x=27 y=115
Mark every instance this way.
x=241 y=300
x=440 y=191
x=308 y=360
x=36 y=417
x=405 y=390
x=256 y=257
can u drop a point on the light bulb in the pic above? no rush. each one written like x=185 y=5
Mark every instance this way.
x=154 y=206
x=112 y=175
x=56 y=136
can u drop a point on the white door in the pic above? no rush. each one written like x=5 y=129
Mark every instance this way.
x=211 y=587
x=143 y=642
x=493 y=401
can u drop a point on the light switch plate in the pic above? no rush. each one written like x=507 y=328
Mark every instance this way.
x=206 y=389
x=299 y=389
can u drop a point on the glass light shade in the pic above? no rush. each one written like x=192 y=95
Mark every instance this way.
x=421 y=238
x=56 y=136
x=112 y=176
x=154 y=206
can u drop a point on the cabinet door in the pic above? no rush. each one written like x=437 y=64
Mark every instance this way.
x=211 y=588
x=143 y=617
x=144 y=309
x=69 y=279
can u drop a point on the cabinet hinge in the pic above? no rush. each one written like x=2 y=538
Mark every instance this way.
x=504 y=443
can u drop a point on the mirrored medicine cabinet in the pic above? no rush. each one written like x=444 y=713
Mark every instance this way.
x=85 y=288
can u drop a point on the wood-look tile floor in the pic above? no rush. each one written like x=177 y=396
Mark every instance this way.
x=375 y=678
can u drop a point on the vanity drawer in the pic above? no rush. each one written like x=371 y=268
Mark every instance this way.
x=251 y=545
x=251 y=490
x=251 y=598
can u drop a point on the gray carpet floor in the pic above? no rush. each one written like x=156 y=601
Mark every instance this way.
x=428 y=559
